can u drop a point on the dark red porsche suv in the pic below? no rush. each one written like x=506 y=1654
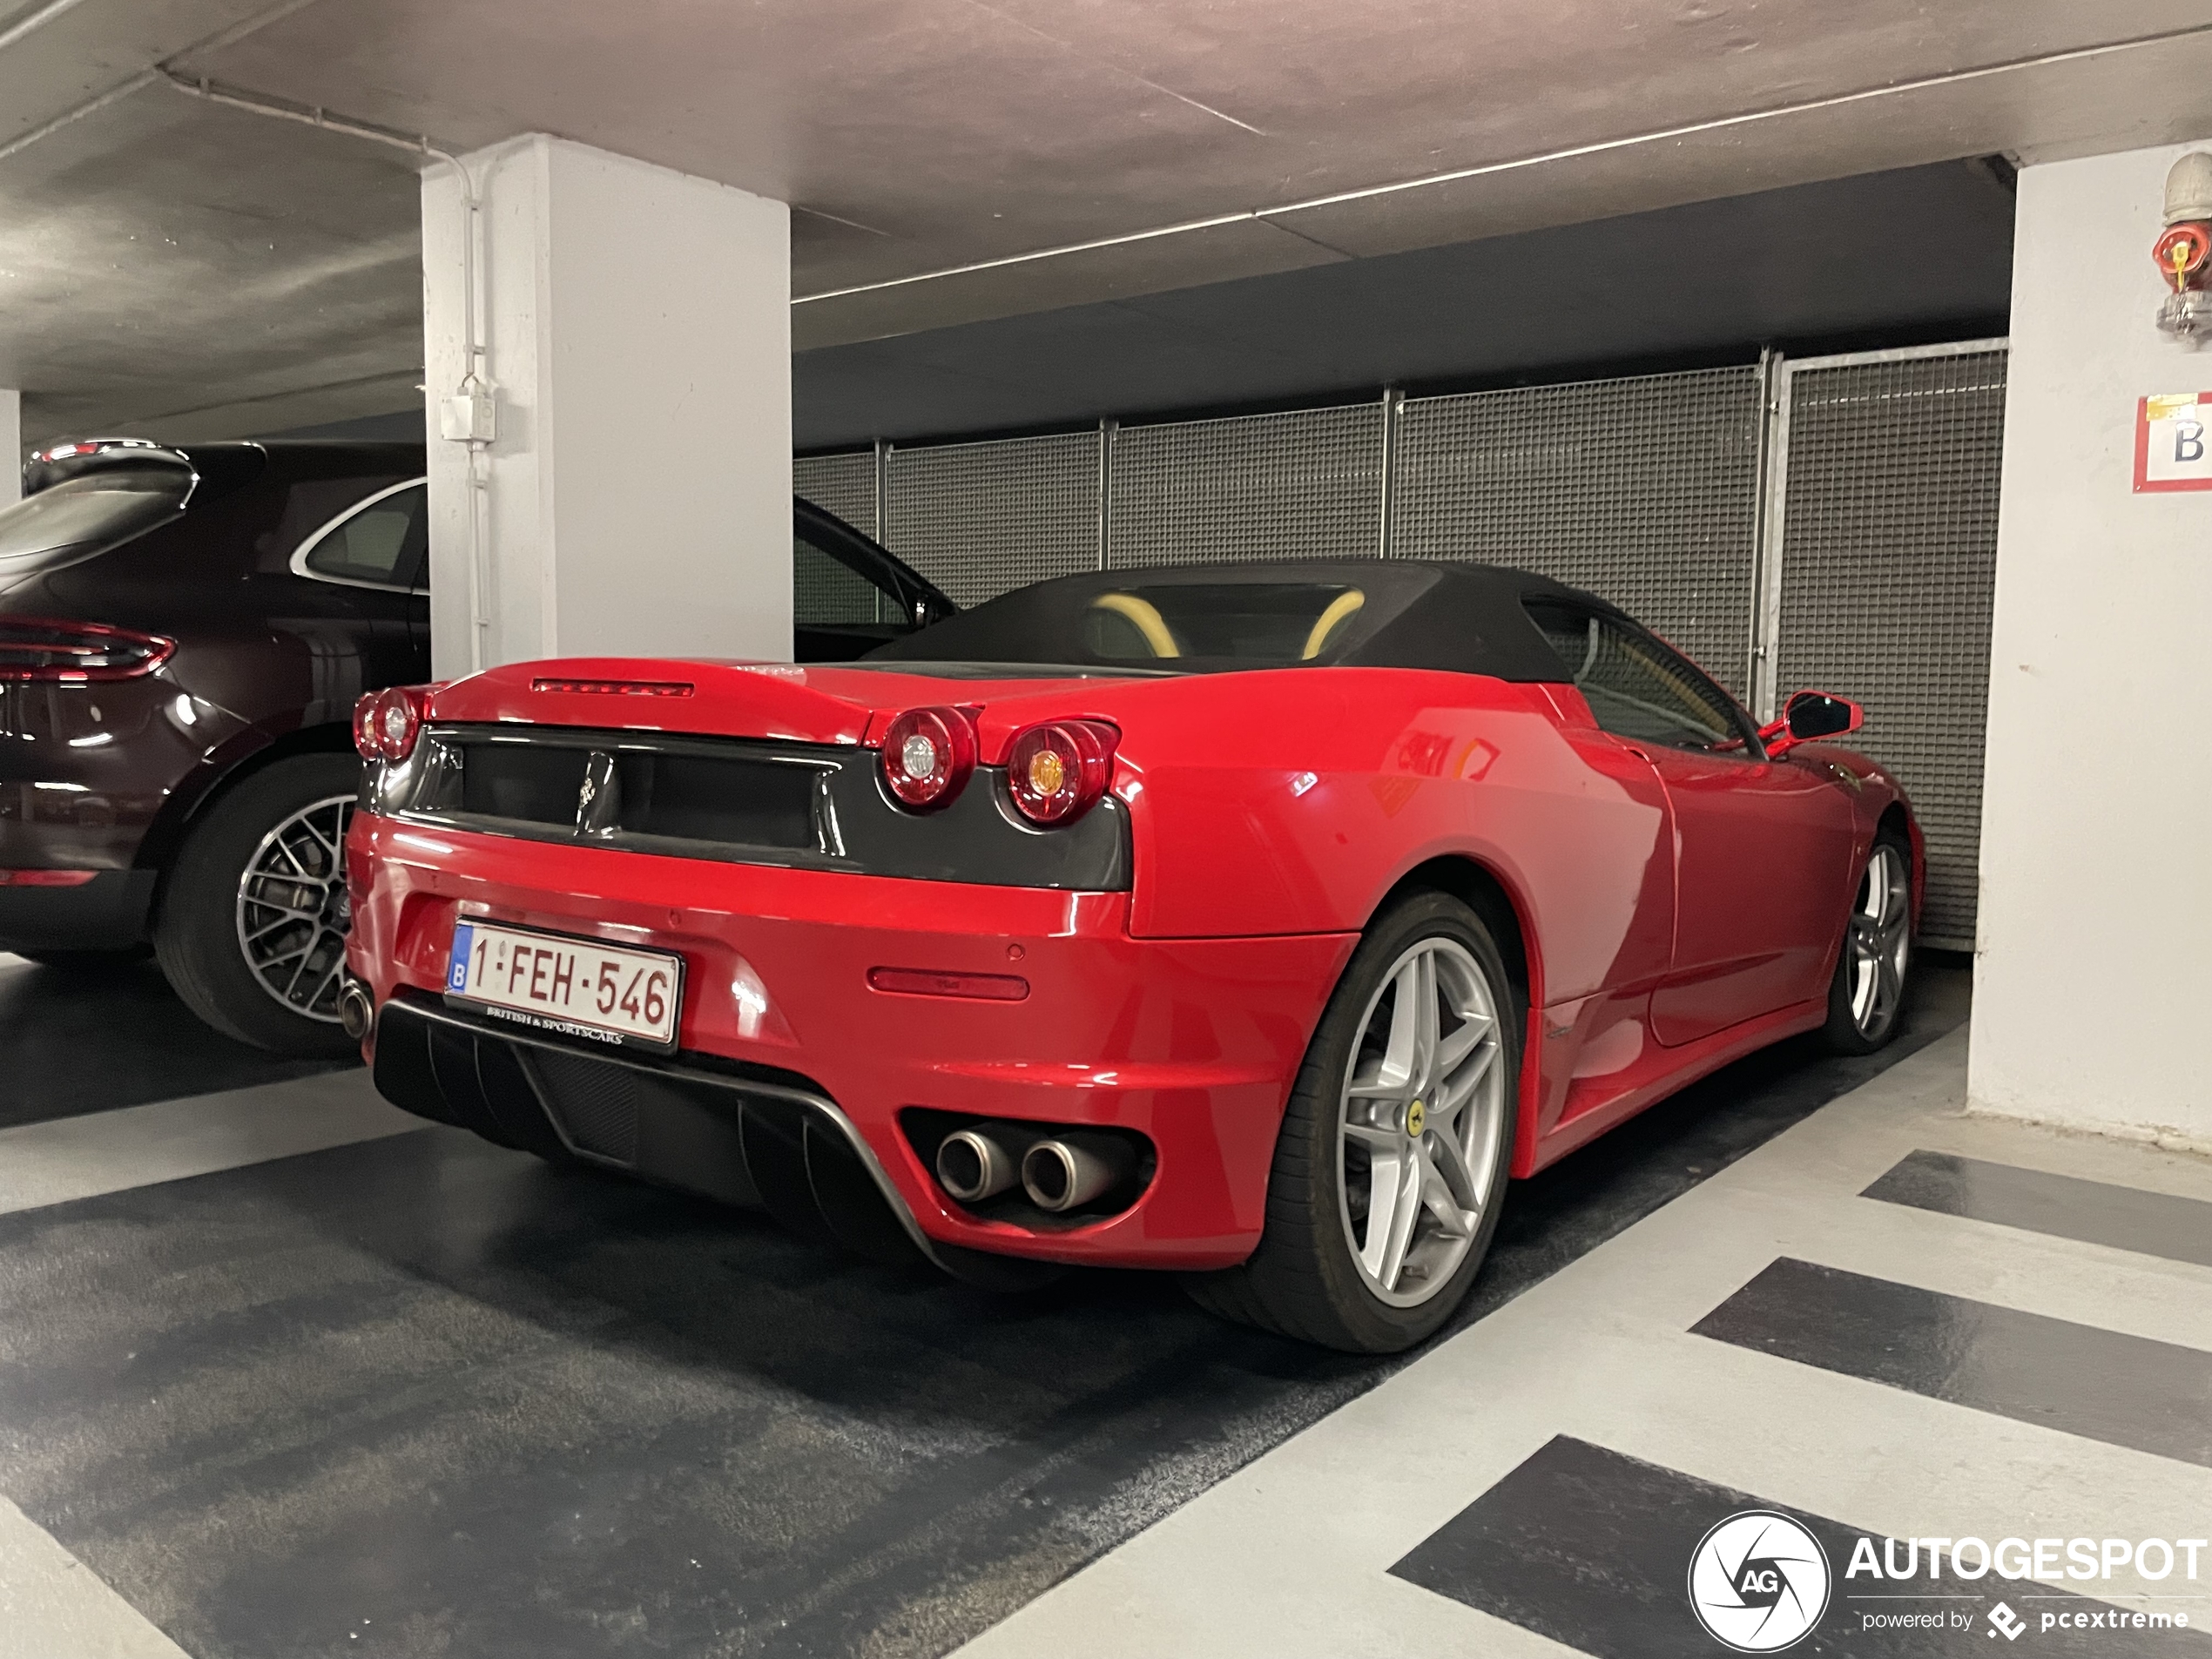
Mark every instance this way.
x=184 y=632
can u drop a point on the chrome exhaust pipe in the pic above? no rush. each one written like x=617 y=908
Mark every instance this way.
x=1073 y=1169
x=355 y=1012
x=979 y=1162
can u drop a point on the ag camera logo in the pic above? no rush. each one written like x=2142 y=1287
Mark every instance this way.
x=1758 y=1581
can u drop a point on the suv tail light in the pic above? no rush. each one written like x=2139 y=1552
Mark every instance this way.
x=1057 y=771
x=35 y=648
x=929 y=755
x=386 y=722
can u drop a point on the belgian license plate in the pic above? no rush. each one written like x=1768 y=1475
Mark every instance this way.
x=582 y=988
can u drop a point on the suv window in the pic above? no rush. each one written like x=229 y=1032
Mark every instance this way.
x=1636 y=686
x=825 y=592
x=380 y=541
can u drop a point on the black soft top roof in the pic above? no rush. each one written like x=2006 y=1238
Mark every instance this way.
x=1460 y=619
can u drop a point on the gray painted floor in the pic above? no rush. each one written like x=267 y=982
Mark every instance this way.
x=73 y=1042
x=418 y=1395
x=1780 y=1340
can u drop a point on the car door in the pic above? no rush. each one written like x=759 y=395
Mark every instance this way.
x=376 y=553
x=848 y=595
x=1762 y=846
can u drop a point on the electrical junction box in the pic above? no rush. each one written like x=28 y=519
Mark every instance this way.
x=468 y=417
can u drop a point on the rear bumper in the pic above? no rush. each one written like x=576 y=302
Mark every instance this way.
x=744 y=1140
x=107 y=912
x=1192 y=1043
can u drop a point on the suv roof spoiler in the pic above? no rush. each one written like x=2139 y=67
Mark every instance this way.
x=49 y=466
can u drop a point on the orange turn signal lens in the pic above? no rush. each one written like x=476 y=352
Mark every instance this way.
x=1058 y=771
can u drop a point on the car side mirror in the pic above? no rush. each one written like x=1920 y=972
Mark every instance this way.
x=1808 y=717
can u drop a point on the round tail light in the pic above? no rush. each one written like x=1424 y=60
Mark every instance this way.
x=1057 y=771
x=386 y=722
x=365 y=737
x=929 y=755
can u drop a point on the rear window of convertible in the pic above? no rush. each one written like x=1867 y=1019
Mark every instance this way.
x=1132 y=624
x=1256 y=623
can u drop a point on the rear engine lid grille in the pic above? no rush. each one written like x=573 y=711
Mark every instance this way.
x=750 y=803
x=738 y=801
x=626 y=788
x=520 y=781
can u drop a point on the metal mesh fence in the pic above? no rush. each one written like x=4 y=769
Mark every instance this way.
x=822 y=590
x=1888 y=558
x=1303 y=484
x=978 y=518
x=1643 y=490
x=840 y=484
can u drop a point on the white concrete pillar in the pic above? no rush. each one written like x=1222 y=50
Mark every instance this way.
x=10 y=446
x=2094 y=978
x=636 y=499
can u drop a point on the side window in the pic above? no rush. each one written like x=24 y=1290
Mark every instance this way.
x=825 y=592
x=1636 y=686
x=381 y=542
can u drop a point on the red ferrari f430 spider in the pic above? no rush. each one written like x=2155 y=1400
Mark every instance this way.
x=1255 y=921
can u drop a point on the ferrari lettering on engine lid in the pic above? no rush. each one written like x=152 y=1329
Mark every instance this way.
x=581 y=987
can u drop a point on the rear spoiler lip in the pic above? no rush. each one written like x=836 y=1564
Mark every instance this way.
x=827 y=703
x=59 y=462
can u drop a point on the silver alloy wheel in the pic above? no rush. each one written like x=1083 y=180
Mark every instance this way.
x=1422 y=1122
x=1880 y=941
x=292 y=909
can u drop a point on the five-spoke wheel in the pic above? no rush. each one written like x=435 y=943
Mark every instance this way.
x=1866 y=998
x=1419 y=1121
x=1390 y=1167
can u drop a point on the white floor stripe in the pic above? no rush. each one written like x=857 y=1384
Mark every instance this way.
x=54 y=1607
x=1290 y=1556
x=136 y=1146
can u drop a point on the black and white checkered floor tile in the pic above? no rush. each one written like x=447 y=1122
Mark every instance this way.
x=286 y=1372
x=1895 y=1321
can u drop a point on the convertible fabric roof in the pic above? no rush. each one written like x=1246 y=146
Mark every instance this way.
x=1460 y=619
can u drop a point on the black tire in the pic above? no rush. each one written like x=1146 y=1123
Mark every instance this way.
x=1304 y=1280
x=88 y=961
x=196 y=926
x=1857 y=1029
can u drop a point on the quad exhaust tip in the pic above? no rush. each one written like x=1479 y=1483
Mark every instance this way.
x=355 y=1012
x=1058 y=1172
x=975 y=1163
x=1071 y=1169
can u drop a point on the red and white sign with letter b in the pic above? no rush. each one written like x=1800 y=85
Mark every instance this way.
x=2173 y=441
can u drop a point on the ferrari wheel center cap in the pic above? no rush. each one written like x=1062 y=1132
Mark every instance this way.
x=1415 y=1117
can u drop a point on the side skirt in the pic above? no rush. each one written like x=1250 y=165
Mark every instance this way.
x=1667 y=1071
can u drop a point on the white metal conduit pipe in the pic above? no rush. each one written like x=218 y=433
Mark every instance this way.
x=475 y=395
x=37 y=21
x=55 y=9
x=472 y=403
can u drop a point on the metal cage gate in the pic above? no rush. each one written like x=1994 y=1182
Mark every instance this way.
x=1822 y=521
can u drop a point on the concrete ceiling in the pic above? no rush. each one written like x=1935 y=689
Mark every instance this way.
x=163 y=260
